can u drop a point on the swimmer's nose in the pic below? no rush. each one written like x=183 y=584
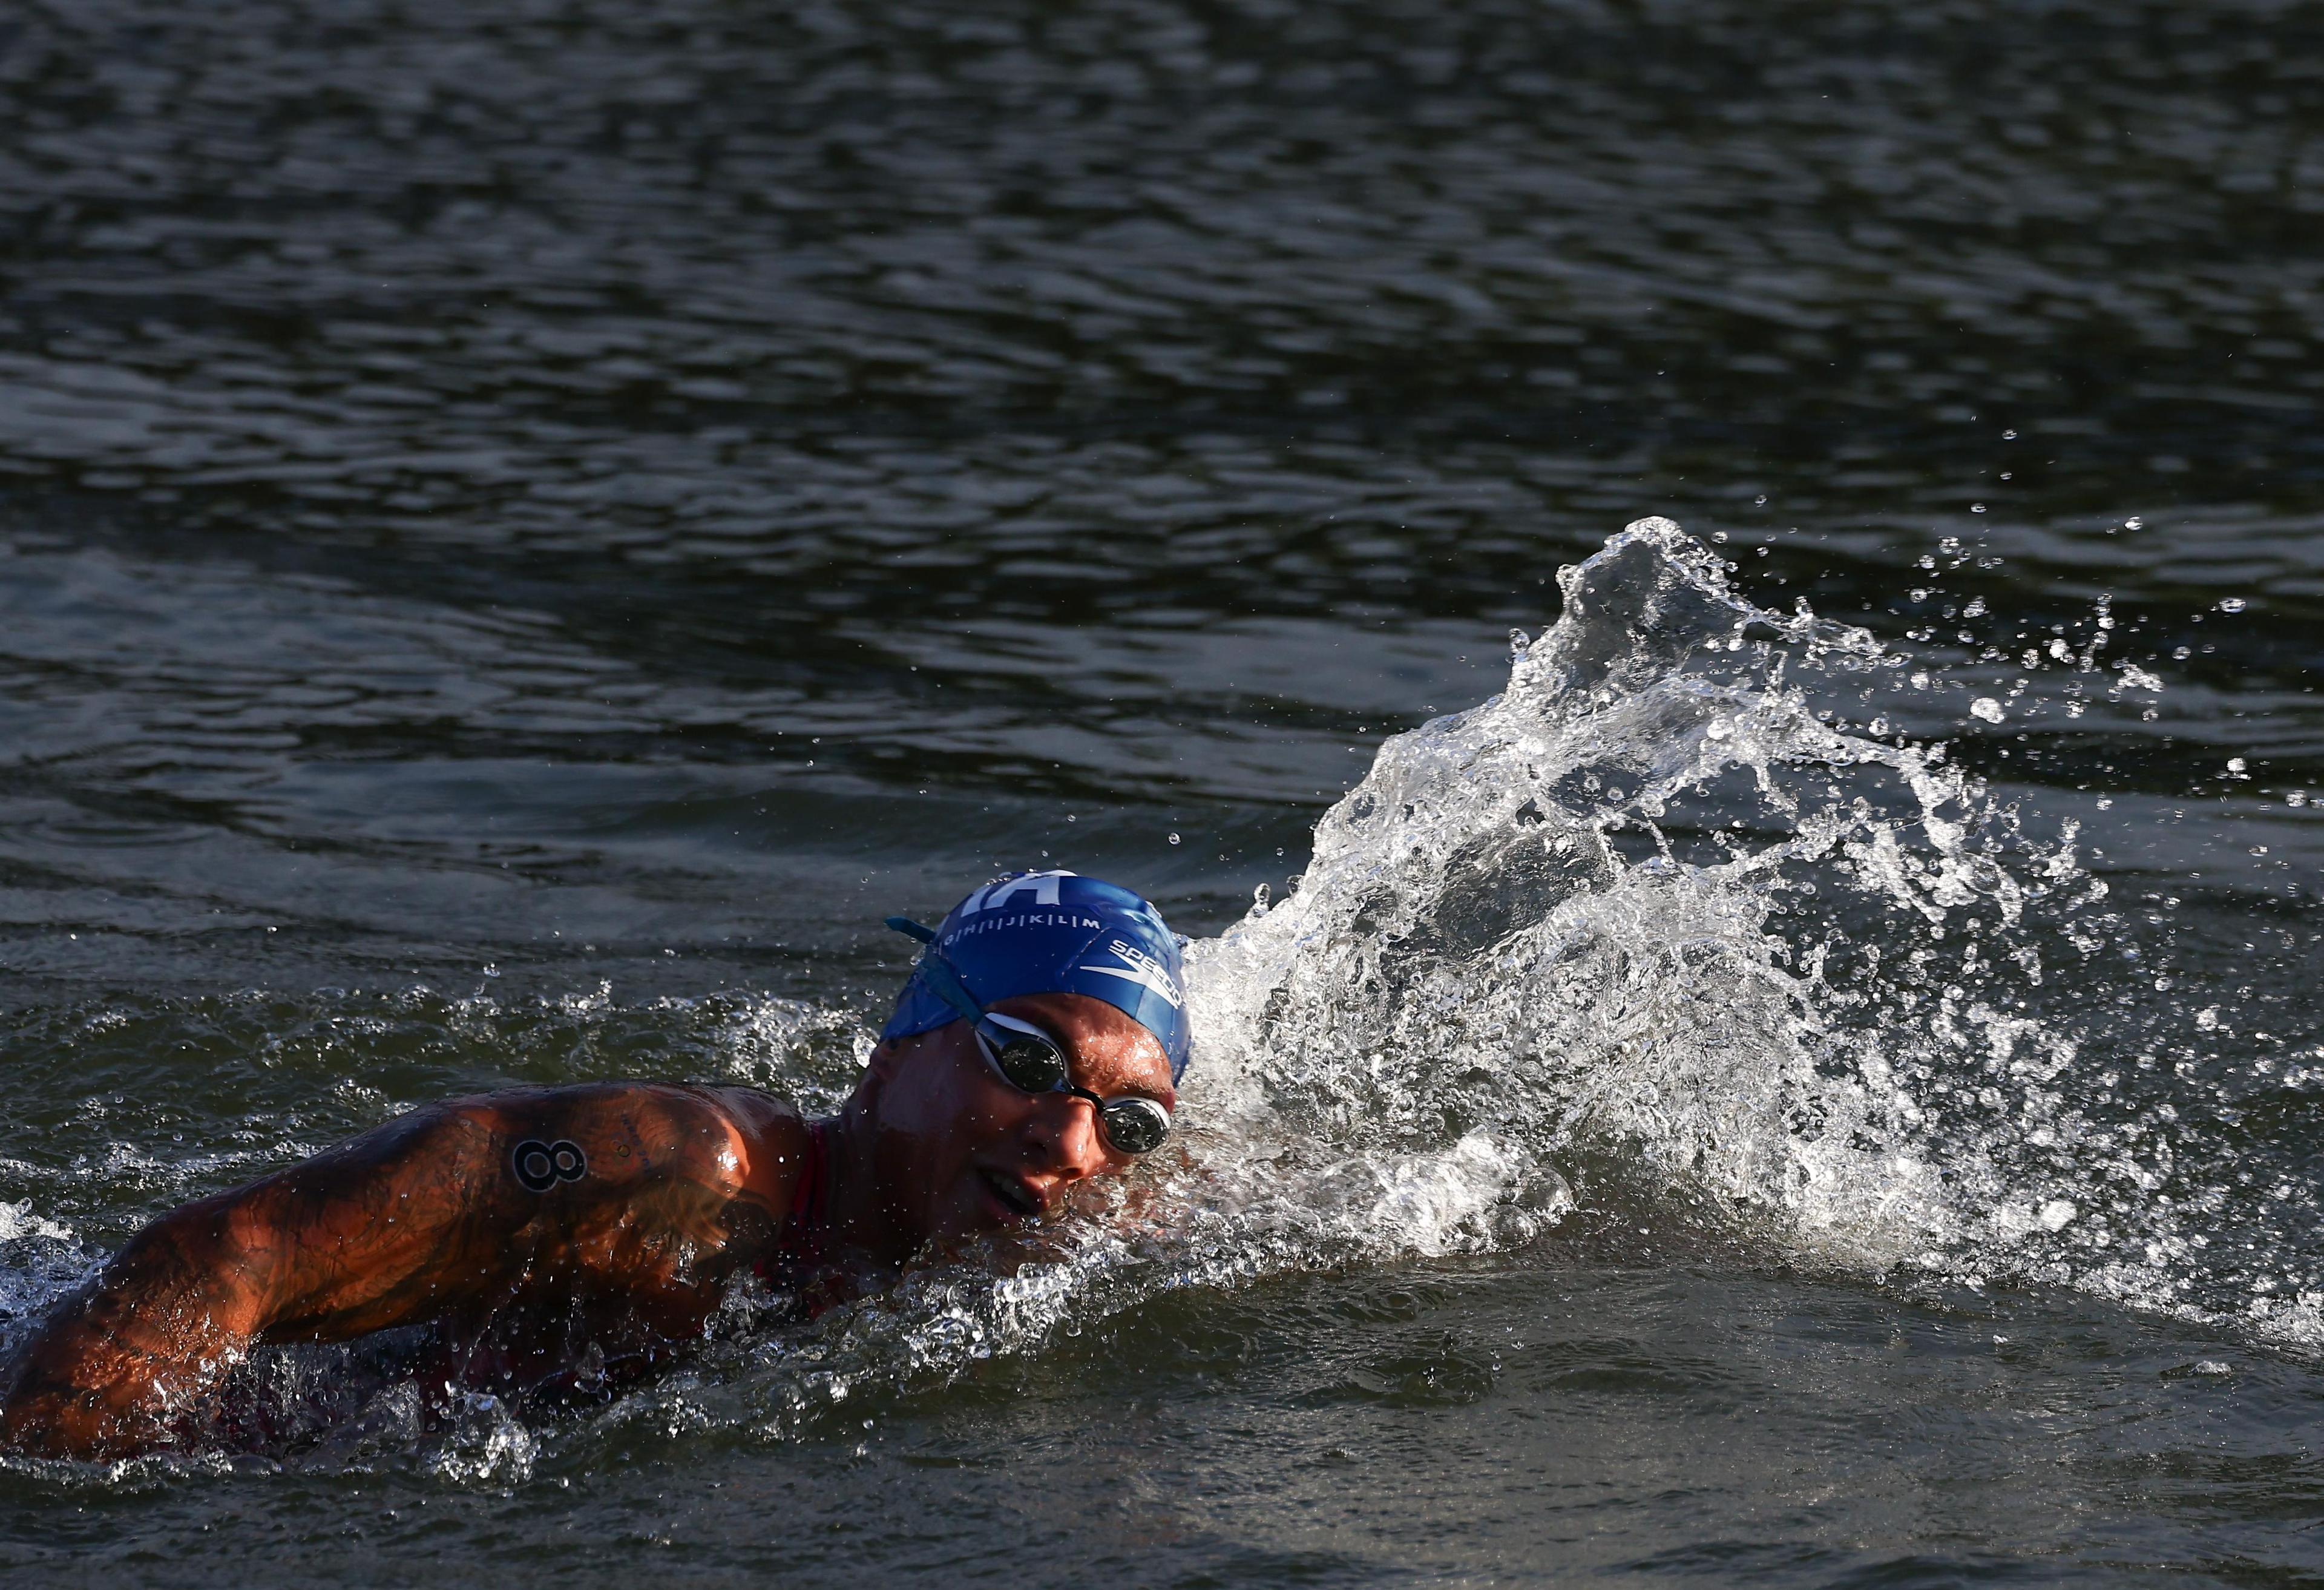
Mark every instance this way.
x=1063 y=1136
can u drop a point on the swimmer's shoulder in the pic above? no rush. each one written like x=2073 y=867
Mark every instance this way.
x=777 y=1144
x=735 y=1142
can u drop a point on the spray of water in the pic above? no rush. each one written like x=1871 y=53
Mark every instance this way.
x=1654 y=912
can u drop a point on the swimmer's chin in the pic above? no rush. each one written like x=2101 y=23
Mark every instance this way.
x=1001 y=1243
x=1004 y=1199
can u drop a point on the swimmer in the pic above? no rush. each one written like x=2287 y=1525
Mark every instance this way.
x=1036 y=1045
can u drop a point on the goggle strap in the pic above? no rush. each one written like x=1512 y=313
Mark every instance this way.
x=937 y=972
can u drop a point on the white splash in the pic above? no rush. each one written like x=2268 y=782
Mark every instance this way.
x=1554 y=913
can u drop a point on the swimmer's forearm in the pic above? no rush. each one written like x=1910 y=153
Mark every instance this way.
x=380 y=1230
x=136 y=1349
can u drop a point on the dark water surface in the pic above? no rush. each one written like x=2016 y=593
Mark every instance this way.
x=526 y=529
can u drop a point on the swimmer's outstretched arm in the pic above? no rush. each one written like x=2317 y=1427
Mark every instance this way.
x=431 y=1214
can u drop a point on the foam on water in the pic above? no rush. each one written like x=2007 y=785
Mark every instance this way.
x=1665 y=928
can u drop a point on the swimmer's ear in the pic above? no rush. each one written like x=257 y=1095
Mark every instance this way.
x=887 y=1055
x=887 y=1058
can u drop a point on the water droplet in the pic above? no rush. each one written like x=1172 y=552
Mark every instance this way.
x=1761 y=499
x=2009 y=436
x=2134 y=524
x=1986 y=707
x=1174 y=839
x=2231 y=604
x=1977 y=507
x=2236 y=764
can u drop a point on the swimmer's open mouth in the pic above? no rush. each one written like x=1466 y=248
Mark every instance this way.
x=1012 y=1193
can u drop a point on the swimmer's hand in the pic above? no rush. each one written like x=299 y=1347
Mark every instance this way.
x=646 y=1196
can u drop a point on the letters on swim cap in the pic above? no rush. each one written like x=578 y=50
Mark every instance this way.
x=1057 y=932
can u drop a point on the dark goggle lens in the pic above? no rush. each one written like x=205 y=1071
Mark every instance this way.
x=1034 y=1064
x=1135 y=1126
x=1031 y=1064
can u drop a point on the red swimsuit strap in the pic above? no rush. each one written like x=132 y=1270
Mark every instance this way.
x=800 y=1247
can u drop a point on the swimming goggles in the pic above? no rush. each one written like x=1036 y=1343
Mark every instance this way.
x=1029 y=1059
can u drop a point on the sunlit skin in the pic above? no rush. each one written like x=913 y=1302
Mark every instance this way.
x=425 y=1220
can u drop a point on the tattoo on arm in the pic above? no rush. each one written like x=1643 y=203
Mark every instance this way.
x=541 y=1166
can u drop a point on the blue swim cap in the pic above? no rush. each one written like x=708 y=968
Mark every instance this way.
x=1057 y=933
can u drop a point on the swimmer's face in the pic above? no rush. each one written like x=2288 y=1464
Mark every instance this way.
x=960 y=1151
